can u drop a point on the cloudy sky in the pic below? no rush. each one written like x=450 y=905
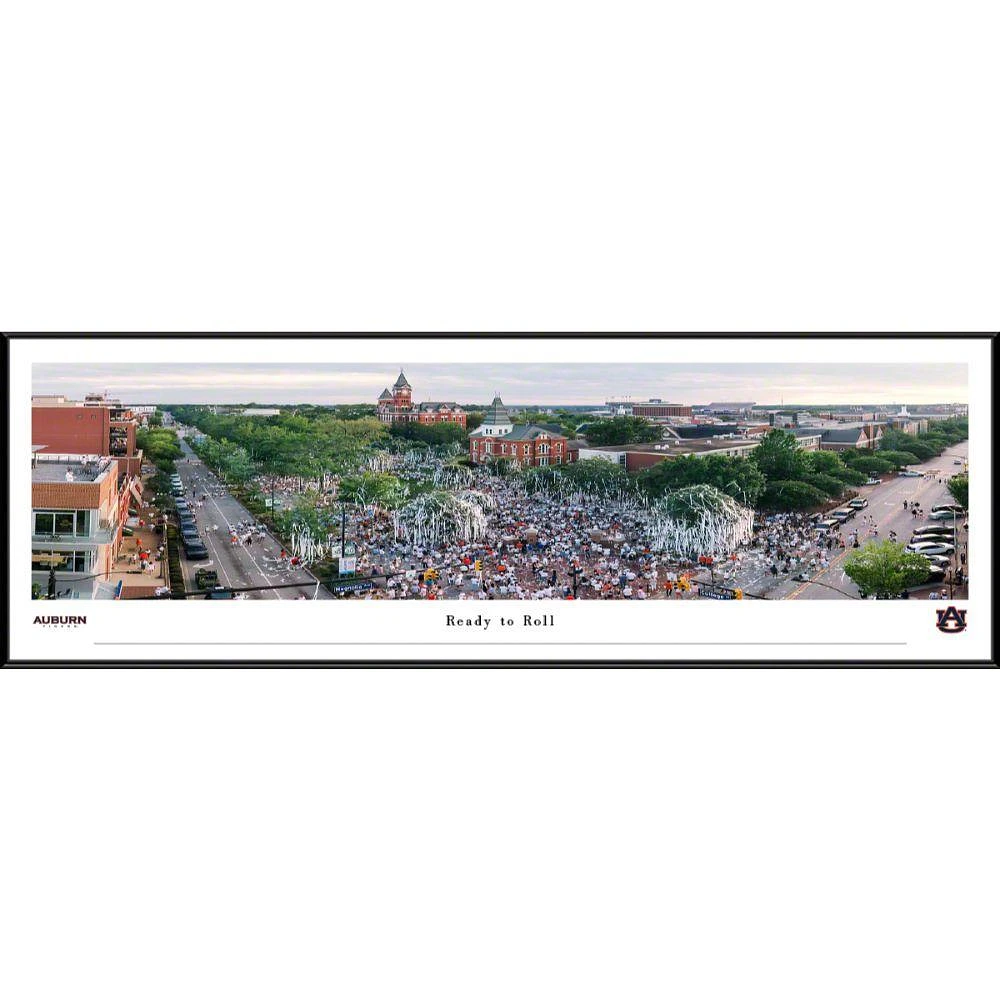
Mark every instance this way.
x=546 y=384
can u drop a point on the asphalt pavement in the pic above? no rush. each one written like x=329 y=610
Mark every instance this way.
x=239 y=565
x=885 y=506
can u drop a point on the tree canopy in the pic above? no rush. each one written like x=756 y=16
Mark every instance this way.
x=622 y=430
x=958 y=487
x=740 y=478
x=885 y=569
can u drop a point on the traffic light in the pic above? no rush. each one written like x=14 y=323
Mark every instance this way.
x=738 y=594
x=479 y=565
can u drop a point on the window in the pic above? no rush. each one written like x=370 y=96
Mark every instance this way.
x=543 y=461
x=62 y=522
x=63 y=562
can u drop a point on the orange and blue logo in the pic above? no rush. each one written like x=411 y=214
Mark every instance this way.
x=951 y=620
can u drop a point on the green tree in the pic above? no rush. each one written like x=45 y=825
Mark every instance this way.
x=381 y=488
x=787 y=495
x=885 y=569
x=779 y=457
x=899 y=459
x=958 y=487
x=830 y=486
x=850 y=477
x=432 y=434
x=871 y=465
x=740 y=478
x=622 y=430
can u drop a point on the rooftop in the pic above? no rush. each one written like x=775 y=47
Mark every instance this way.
x=687 y=447
x=69 y=468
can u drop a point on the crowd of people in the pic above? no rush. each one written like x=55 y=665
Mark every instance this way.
x=539 y=547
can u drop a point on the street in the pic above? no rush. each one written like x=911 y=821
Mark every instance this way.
x=885 y=505
x=257 y=565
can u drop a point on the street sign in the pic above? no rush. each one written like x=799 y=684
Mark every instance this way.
x=346 y=586
x=716 y=593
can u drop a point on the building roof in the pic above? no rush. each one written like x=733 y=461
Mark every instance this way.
x=497 y=412
x=847 y=435
x=676 y=448
x=803 y=432
x=69 y=469
x=386 y=394
x=401 y=382
x=523 y=432
x=435 y=405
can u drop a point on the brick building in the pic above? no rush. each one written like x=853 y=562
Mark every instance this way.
x=98 y=426
x=844 y=439
x=79 y=505
x=397 y=406
x=527 y=444
x=649 y=409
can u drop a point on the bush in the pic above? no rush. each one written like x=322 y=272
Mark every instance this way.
x=786 y=495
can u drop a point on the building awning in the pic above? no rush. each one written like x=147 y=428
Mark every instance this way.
x=136 y=491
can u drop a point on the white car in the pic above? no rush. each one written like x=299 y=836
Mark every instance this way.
x=930 y=548
x=874 y=482
x=946 y=506
x=910 y=474
x=858 y=503
x=943 y=515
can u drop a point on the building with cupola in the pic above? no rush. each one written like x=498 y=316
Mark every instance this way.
x=498 y=437
x=397 y=407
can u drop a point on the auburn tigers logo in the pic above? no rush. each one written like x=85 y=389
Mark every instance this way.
x=951 y=620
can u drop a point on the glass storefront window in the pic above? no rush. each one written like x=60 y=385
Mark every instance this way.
x=64 y=562
x=62 y=522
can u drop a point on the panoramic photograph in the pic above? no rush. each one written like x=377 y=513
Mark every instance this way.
x=402 y=480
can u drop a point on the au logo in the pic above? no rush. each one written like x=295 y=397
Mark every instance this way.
x=951 y=620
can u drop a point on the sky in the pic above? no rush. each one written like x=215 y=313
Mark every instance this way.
x=519 y=384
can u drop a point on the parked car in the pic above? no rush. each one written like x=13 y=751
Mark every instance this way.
x=206 y=579
x=957 y=461
x=827 y=525
x=196 y=550
x=858 y=503
x=944 y=515
x=942 y=561
x=843 y=514
x=219 y=594
x=874 y=482
x=930 y=548
x=910 y=474
x=930 y=536
x=947 y=506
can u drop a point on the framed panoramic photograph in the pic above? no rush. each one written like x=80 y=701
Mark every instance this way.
x=524 y=499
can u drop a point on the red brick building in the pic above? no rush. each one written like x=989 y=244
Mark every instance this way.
x=98 y=426
x=398 y=407
x=79 y=506
x=527 y=444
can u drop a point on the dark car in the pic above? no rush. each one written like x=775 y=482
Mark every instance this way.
x=196 y=550
x=219 y=595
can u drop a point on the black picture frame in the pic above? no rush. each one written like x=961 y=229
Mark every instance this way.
x=416 y=662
